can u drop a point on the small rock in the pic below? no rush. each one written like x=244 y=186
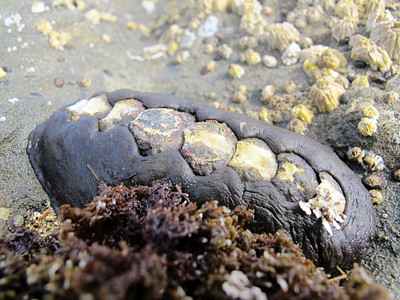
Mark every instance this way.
x=270 y=61
x=375 y=181
x=291 y=55
x=210 y=27
x=396 y=175
x=377 y=196
x=58 y=82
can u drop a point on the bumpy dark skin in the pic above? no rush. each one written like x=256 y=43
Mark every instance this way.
x=71 y=158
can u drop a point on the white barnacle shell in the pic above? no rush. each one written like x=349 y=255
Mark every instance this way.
x=281 y=35
x=387 y=36
x=328 y=205
x=344 y=28
x=367 y=51
x=378 y=17
x=291 y=55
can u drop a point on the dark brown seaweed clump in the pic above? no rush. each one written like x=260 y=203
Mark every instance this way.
x=152 y=243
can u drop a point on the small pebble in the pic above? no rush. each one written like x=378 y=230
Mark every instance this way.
x=3 y=119
x=210 y=27
x=13 y=100
x=375 y=181
x=58 y=82
x=16 y=220
x=396 y=175
x=181 y=56
x=377 y=196
x=345 y=98
x=106 y=38
x=210 y=67
x=4 y=213
x=270 y=61
x=39 y=7
x=86 y=82
x=360 y=64
x=267 y=93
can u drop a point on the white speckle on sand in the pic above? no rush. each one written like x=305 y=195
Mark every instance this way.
x=13 y=100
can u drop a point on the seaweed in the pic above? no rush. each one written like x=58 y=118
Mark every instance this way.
x=151 y=242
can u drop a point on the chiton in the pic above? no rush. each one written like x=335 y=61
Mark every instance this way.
x=292 y=182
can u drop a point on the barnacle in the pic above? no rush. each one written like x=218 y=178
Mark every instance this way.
x=291 y=55
x=375 y=6
x=346 y=9
x=371 y=112
x=236 y=71
x=303 y=113
x=333 y=59
x=367 y=126
x=344 y=28
x=377 y=17
x=328 y=205
x=325 y=93
x=387 y=36
x=252 y=21
x=280 y=35
x=251 y=57
x=366 y=50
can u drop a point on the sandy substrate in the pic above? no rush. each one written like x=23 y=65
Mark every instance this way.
x=40 y=79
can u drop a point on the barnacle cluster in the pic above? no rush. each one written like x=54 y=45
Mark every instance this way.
x=369 y=123
x=367 y=158
x=152 y=243
x=328 y=205
x=326 y=93
x=57 y=40
x=367 y=51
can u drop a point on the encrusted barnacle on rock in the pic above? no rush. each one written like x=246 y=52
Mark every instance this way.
x=367 y=126
x=325 y=93
x=377 y=17
x=328 y=205
x=344 y=28
x=333 y=59
x=346 y=8
x=367 y=51
x=387 y=36
x=281 y=35
x=270 y=169
x=303 y=113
